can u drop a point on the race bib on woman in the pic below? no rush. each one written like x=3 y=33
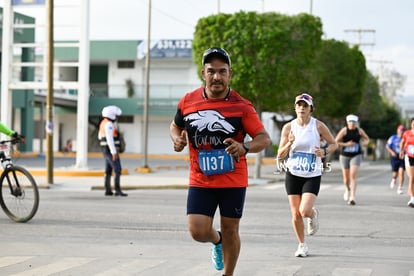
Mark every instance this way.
x=216 y=161
x=410 y=151
x=352 y=149
x=303 y=161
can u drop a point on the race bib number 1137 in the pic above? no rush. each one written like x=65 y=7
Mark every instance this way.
x=216 y=161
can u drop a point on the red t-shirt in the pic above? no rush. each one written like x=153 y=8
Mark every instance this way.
x=208 y=123
x=408 y=137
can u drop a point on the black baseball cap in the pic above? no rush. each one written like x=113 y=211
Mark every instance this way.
x=218 y=53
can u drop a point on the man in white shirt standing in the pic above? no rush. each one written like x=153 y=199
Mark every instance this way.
x=110 y=143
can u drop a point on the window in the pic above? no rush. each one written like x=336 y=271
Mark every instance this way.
x=126 y=64
x=126 y=119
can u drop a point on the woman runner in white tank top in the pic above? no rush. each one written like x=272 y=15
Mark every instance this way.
x=302 y=159
x=300 y=141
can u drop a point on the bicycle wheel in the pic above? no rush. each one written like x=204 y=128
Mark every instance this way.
x=19 y=195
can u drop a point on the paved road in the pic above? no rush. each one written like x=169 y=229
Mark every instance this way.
x=81 y=232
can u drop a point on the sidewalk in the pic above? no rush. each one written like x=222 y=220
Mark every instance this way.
x=173 y=177
x=161 y=177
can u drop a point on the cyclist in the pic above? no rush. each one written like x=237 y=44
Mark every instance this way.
x=9 y=132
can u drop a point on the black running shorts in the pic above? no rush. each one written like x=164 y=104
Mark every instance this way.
x=296 y=185
x=204 y=201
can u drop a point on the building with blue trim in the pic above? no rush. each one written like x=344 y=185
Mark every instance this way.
x=117 y=76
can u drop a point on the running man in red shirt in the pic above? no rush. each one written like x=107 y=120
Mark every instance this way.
x=215 y=120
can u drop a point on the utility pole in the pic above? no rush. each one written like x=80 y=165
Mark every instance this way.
x=360 y=32
x=381 y=63
x=6 y=68
x=145 y=168
x=83 y=95
x=49 y=98
x=311 y=7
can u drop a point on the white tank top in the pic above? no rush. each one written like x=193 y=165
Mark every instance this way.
x=302 y=160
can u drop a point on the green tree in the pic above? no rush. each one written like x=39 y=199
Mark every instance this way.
x=342 y=79
x=372 y=106
x=392 y=82
x=382 y=128
x=272 y=54
x=379 y=117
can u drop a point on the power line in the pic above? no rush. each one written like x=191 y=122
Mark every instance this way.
x=360 y=33
x=168 y=15
x=380 y=61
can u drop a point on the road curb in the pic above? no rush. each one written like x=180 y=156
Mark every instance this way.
x=145 y=187
x=72 y=172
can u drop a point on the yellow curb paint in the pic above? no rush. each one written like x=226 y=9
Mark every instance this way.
x=143 y=170
x=42 y=172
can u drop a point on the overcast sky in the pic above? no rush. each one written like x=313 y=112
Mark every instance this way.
x=392 y=40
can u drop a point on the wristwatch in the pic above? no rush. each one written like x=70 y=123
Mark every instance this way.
x=246 y=147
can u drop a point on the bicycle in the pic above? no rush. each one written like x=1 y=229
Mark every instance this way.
x=19 y=194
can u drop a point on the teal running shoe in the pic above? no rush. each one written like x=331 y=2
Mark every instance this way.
x=217 y=257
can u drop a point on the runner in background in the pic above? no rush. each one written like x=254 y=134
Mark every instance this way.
x=407 y=148
x=351 y=138
x=397 y=163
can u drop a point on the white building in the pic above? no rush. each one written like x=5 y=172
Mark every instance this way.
x=117 y=76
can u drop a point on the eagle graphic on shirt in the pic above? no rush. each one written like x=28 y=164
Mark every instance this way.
x=211 y=120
